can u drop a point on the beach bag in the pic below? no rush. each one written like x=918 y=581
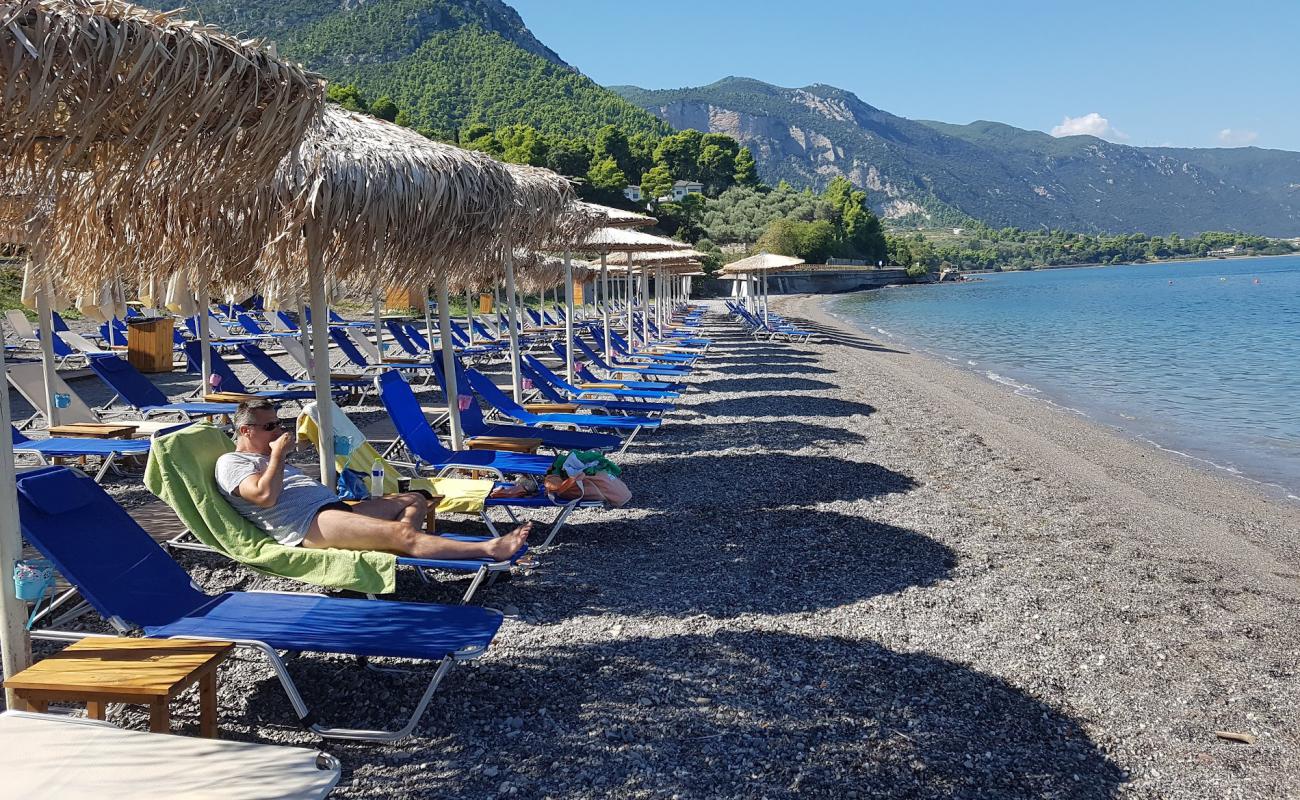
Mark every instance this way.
x=352 y=485
x=586 y=461
x=611 y=490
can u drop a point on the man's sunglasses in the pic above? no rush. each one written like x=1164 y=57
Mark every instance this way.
x=267 y=426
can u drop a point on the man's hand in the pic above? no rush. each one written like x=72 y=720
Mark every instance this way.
x=282 y=444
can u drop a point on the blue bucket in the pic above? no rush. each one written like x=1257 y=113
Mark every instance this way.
x=33 y=577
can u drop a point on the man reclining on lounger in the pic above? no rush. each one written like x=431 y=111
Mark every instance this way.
x=297 y=510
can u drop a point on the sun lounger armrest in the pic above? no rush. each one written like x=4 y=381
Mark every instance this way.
x=551 y=408
x=508 y=443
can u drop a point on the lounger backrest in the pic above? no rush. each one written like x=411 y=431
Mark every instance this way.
x=28 y=377
x=399 y=336
x=60 y=347
x=414 y=335
x=296 y=351
x=363 y=343
x=408 y=418
x=250 y=325
x=280 y=321
x=80 y=343
x=458 y=333
x=264 y=364
x=550 y=374
x=230 y=382
x=471 y=419
x=348 y=349
x=543 y=384
x=486 y=389
x=127 y=381
x=57 y=320
x=18 y=321
x=101 y=550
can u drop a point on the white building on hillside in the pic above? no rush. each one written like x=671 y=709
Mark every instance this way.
x=632 y=193
x=683 y=188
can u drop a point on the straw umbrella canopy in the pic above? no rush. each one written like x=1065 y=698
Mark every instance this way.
x=761 y=264
x=617 y=240
x=103 y=104
x=611 y=217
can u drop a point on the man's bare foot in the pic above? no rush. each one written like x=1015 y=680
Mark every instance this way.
x=509 y=544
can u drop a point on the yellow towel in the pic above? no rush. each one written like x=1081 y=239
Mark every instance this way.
x=459 y=495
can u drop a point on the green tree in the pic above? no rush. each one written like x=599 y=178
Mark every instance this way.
x=480 y=137
x=717 y=168
x=522 y=144
x=568 y=157
x=657 y=182
x=680 y=152
x=746 y=173
x=611 y=142
x=606 y=178
x=346 y=95
x=384 y=108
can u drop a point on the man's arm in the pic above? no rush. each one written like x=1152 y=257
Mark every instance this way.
x=262 y=489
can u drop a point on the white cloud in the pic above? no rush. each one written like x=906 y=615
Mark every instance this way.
x=1236 y=138
x=1092 y=124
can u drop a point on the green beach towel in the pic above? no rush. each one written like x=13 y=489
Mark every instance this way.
x=180 y=472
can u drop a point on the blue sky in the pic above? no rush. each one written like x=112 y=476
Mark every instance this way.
x=1142 y=72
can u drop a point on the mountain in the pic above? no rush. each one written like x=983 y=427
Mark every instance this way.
x=921 y=171
x=443 y=62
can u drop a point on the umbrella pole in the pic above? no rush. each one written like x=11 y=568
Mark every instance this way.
x=631 y=293
x=449 y=364
x=15 y=646
x=304 y=335
x=45 y=319
x=568 y=315
x=379 y=327
x=512 y=322
x=205 y=342
x=764 y=297
x=428 y=325
x=604 y=276
x=645 y=306
x=321 y=355
x=469 y=315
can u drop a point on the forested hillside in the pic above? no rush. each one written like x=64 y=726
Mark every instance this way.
x=444 y=63
x=934 y=173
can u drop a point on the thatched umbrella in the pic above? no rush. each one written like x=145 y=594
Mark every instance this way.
x=617 y=240
x=760 y=264
x=100 y=101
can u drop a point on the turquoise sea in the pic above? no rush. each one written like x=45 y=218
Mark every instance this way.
x=1201 y=358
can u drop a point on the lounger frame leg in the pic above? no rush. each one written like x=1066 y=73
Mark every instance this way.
x=308 y=718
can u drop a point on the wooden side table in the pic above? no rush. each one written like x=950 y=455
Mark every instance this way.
x=228 y=397
x=94 y=430
x=103 y=669
x=506 y=443
x=551 y=408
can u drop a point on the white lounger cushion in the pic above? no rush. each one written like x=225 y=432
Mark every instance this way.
x=42 y=755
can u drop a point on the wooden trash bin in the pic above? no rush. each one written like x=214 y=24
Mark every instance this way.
x=149 y=344
x=484 y=303
x=404 y=301
x=577 y=293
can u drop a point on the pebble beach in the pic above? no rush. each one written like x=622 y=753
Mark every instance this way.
x=847 y=570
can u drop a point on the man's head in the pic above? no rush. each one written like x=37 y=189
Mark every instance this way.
x=257 y=424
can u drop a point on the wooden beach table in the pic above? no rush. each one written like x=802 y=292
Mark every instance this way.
x=108 y=669
x=94 y=430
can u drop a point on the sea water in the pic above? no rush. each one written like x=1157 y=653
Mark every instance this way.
x=1197 y=357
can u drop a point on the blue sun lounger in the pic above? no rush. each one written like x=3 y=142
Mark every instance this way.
x=577 y=391
x=419 y=441
x=644 y=370
x=75 y=447
x=545 y=381
x=645 y=356
x=506 y=405
x=473 y=424
x=230 y=382
x=259 y=360
x=136 y=391
x=133 y=584
x=587 y=375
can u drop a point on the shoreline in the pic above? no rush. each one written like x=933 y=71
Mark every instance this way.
x=1061 y=426
x=1059 y=400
